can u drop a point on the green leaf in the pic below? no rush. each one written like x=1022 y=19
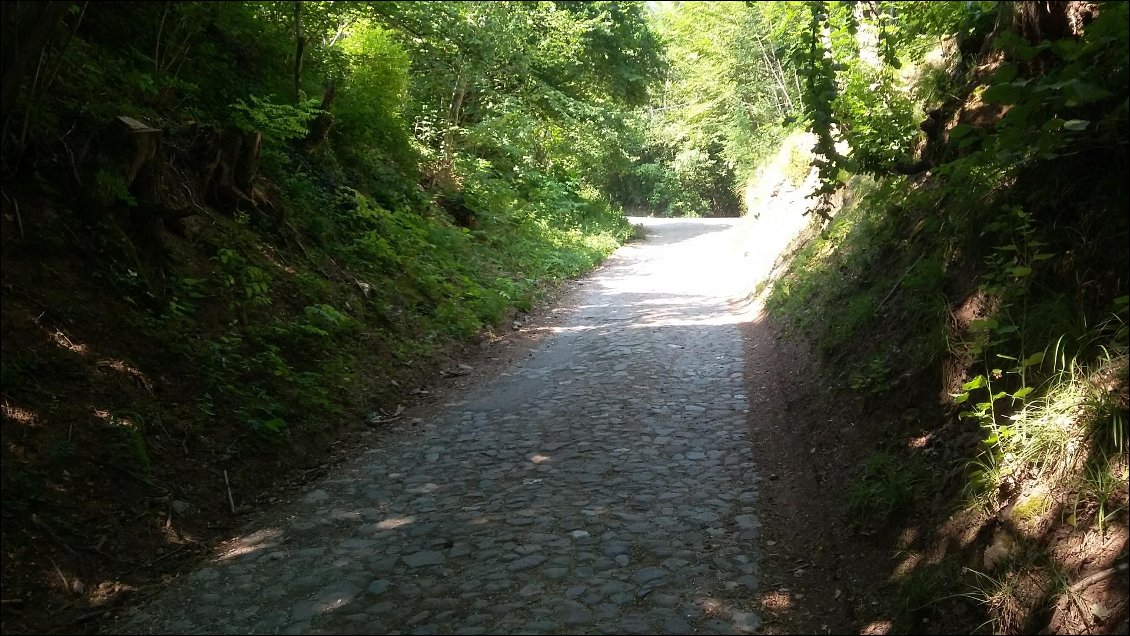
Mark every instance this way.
x=969 y=141
x=1002 y=94
x=983 y=324
x=960 y=131
x=1034 y=359
x=1020 y=272
x=1076 y=124
x=1020 y=116
x=1005 y=74
x=975 y=383
x=1081 y=93
x=1023 y=391
x=1065 y=48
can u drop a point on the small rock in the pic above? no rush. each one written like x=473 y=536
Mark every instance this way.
x=526 y=562
x=1001 y=547
x=421 y=559
x=575 y=591
x=554 y=573
x=745 y=621
x=616 y=549
x=635 y=624
x=646 y=574
x=676 y=626
x=318 y=496
x=748 y=580
x=576 y=615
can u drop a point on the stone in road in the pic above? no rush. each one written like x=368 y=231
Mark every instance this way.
x=606 y=485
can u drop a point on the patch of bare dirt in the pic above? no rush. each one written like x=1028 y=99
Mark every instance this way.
x=810 y=580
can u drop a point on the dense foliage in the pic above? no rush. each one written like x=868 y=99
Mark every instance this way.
x=979 y=148
x=448 y=156
x=728 y=92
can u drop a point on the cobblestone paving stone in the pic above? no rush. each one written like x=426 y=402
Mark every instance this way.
x=604 y=486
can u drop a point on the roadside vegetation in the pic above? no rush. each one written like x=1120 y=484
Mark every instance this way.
x=236 y=233
x=972 y=256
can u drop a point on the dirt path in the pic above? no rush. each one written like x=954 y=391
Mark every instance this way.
x=605 y=485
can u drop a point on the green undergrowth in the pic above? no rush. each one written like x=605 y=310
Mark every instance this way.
x=989 y=296
x=858 y=266
x=364 y=245
x=284 y=336
x=884 y=294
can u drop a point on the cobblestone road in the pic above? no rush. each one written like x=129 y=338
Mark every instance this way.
x=605 y=485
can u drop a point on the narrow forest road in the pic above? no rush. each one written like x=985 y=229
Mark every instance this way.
x=605 y=485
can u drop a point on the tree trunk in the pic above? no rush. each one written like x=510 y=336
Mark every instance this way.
x=234 y=171
x=320 y=127
x=140 y=147
x=1039 y=21
x=299 y=51
x=444 y=174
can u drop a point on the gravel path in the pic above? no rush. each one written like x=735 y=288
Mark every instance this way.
x=605 y=485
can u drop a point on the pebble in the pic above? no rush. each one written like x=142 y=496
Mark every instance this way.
x=526 y=562
x=420 y=559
